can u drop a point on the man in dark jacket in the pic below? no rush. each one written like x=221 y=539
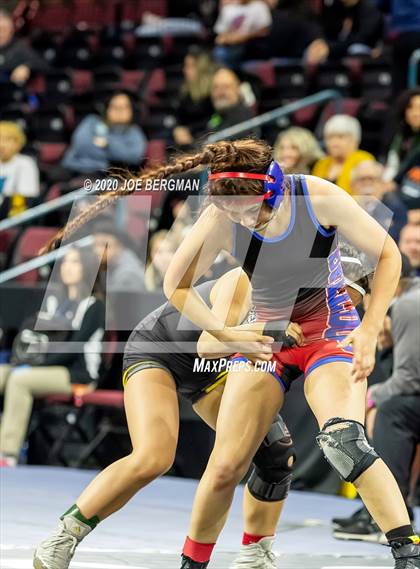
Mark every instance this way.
x=229 y=110
x=347 y=27
x=17 y=60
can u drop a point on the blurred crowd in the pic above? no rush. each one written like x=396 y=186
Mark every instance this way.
x=92 y=102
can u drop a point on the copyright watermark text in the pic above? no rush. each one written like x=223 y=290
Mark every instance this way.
x=137 y=185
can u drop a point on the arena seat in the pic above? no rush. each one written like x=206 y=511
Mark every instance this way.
x=107 y=77
x=7 y=237
x=156 y=152
x=27 y=247
x=50 y=152
x=111 y=55
x=81 y=80
x=336 y=76
x=376 y=80
x=53 y=17
x=148 y=53
x=15 y=113
x=264 y=70
x=106 y=400
x=158 y=7
x=49 y=126
x=11 y=94
x=131 y=79
x=58 y=86
x=52 y=193
x=291 y=81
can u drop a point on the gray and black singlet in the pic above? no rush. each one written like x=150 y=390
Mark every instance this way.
x=173 y=337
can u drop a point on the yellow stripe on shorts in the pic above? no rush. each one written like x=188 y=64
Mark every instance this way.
x=130 y=367
x=220 y=378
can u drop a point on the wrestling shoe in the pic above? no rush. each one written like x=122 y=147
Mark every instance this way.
x=359 y=514
x=256 y=556
x=362 y=528
x=187 y=563
x=57 y=551
x=407 y=553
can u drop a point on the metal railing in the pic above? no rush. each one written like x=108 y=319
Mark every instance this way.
x=243 y=127
x=413 y=69
x=42 y=209
x=38 y=262
x=275 y=114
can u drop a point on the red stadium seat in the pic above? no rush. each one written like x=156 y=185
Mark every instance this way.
x=53 y=193
x=158 y=7
x=27 y=247
x=7 y=238
x=81 y=80
x=101 y=397
x=53 y=16
x=50 y=152
x=131 y=79
x=264 y=70
x=156 y=152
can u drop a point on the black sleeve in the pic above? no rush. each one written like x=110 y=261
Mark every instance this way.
x=93 y=319
x=22 y=54
x=367 y=29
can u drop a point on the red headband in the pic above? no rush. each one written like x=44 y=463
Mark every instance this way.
x=248 y=175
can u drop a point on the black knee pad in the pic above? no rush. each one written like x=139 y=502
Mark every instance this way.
x=345 y=446
x=272 y=475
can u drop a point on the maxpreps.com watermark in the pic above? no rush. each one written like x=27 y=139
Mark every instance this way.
x=202 y=365
x=137 y=185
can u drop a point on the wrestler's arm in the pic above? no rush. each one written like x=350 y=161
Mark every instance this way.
x=230 y=298
x=212 y=233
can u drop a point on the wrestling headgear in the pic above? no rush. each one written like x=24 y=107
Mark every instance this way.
x=273 y=182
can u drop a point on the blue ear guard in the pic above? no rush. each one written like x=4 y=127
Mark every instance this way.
x=275 y=187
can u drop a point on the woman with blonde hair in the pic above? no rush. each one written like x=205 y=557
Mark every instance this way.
x=297 y=150
x=19 y=174
x=194 y=107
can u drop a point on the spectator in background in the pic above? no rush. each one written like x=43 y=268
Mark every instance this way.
x=161 y=250
x=123 y=270
x=228 y=105
x=19 y=174
x=409 y=245
x=297 y=150
x=17 y=59
x=404 y=34
x=83 y=316
x=194 y=106
x=239 y=23
x=100 y=142
x=227 y=101
x=414 y=216
x=406 y=140
x=369 y=190
x=292 y=29
x=347 y=27
x=342 y=136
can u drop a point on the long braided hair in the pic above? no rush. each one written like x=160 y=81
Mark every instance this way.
x=249 y=155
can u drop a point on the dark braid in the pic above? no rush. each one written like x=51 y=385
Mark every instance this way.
x=252 y=155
